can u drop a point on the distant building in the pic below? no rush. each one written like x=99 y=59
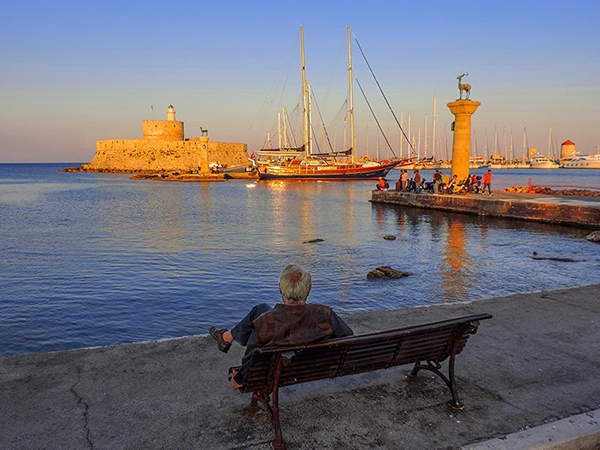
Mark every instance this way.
x=567 y=150
x=163 y=147
x=531 y=152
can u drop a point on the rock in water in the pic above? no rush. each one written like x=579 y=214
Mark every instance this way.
x=312 y=241
x=594 y=236
x=386 y=272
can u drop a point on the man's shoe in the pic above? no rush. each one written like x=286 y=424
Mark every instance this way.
x=217 y=335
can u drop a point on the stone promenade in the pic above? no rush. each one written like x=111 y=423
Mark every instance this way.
x=536 y=362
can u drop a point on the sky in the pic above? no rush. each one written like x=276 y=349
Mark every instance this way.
x=72 y=72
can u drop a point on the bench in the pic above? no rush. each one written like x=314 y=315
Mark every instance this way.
x=426 y=346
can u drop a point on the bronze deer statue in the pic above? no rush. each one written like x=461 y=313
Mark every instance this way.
x=466 y=88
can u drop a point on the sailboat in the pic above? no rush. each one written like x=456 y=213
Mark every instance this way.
x=544 y=162
x=309 y=166
x=497 y=161
x=522 y=163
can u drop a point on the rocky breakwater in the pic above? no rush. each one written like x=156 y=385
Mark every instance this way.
x=177 y=176
x=154 y=176
x=549 y=191
x=88 y=168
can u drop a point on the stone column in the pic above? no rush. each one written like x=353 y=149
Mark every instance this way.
x=461 y=146
x=203 y=155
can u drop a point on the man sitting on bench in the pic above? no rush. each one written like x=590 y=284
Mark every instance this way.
x=293 y=322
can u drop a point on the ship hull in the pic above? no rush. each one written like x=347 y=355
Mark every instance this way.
x=317 y=173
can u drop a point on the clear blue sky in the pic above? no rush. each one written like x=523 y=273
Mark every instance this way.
x=74 y=72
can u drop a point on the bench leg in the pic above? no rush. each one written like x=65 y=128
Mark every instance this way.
x=272 y=406
x=258 y=397
x=278 y=443
x=435 y=368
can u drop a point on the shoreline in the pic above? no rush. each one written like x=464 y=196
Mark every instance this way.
x=535 y=362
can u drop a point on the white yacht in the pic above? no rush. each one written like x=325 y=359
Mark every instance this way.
x=542 y=162
x=583 y=162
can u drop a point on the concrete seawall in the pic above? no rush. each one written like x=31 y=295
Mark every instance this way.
x=564 y=210
x=537 y=361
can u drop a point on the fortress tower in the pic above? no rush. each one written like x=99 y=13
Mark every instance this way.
x=164 y=148
x=163 y=130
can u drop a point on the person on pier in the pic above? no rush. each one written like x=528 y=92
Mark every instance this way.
x=404 y=179
x=437 y=180
x=487 y=182
x=417 y=180
x=382 y=184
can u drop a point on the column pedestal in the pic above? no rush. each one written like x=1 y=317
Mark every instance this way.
x=203 y=155
x=461 y=146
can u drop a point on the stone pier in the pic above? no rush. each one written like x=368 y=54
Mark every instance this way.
x=561 y=210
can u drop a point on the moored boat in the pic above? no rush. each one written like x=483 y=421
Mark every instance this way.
x=332 y=166
x=406 y=164
x=319 y=169
x=583 y=162
x=542 y=162
x=521 y=164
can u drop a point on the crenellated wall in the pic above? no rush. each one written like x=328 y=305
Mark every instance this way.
x=139 y=155
x=164 y=148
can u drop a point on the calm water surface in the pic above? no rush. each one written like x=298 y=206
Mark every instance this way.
x=99 y=259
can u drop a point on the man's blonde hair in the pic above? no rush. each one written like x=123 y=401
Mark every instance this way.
x=295 y=283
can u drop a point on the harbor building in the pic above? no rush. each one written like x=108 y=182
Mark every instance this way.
x=567 y=150
x=163 y=147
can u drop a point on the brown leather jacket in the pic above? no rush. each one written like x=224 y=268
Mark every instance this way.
x=293 y=325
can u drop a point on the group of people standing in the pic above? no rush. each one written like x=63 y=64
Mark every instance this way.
x=413 y=184
x=442 y=183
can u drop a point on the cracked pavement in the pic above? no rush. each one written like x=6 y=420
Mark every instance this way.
x=536 y=361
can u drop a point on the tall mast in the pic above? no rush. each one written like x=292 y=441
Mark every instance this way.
x=307 y=149
x=410 y=154
x=309 y=117
x=426 y=126
x=401 y=140
x=279 y=130
x=350 y=96
x=512 y=148
x=285 y=138
x=434 y=125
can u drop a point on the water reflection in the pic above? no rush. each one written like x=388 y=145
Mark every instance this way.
x=457 y=257
x=456 y=262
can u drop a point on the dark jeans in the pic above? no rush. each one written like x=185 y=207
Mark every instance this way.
x=242 y=331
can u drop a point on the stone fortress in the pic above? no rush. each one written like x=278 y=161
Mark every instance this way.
x=164 y=147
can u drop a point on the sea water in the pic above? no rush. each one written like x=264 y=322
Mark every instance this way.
x=91 y=259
